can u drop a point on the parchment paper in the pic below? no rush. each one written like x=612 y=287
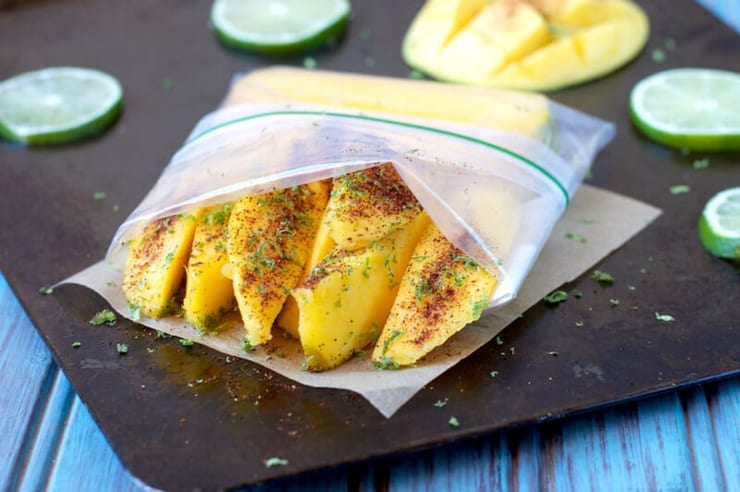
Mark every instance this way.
x=607 y=220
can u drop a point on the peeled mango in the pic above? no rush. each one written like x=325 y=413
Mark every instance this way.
x=536 y=45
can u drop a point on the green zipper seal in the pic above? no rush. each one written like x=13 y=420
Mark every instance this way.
x=390 y=122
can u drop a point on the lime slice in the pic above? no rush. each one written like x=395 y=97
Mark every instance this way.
x=279 y=26
x=57 y=105
x=719 y=225
x=691 y=108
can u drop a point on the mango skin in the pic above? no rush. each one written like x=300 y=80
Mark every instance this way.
x=154 y=268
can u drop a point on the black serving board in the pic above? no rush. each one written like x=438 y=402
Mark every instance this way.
x=186 y=417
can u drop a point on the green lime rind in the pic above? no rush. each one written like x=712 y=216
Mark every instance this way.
x=723 y=247
x=709 y=143
x=689 y=108
x=90 y=129
x=328 y=34
x=86 y=103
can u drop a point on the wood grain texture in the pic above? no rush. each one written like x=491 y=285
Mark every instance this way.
x=687 y=440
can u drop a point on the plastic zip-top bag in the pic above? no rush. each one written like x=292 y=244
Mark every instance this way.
x=484 y=173
x=494 y=194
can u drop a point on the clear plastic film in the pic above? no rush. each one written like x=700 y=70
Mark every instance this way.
x=495 y=195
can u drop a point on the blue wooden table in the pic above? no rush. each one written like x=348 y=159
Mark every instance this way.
x=682 y=440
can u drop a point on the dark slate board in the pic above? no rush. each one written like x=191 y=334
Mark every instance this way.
x=172 y=432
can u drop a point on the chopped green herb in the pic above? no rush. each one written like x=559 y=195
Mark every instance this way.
x=105 y=316
x=246 y=346
x=454 y=422
x=135 y=311
x=310 y=63
x=387 y=363
x=499 y=341
x=270 y=462
x=669 y=43
x=553 y=353
x=100 y=195
x=494 y=374
x=556 y=297
x=122 y=348
x=658 y=55
x=602 y=277
x=161 y=335
x=45 y=291
x=679 y=189
x=416 y=75
x=701 y=163
x=440 y=403
x=664 y=317
x=577 y=293
x=186 y=342
x=614 y=302
x=76 y=344
x=168 y=84
x=478 y=307
x=575 y=237
x=579 y=323
x=631 y=287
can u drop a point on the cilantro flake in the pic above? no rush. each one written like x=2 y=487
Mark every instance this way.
x=106 y=316
x=701 y=163
x=556 y=297
x=453 y=422
x=575 y=237
x=100 y=195
x=416 y=75
x=185 y=342
x=577 y=293
x=274 y=461
x=658 y=55
x=679 y=189
x=310 y=63
x=664 y=317
x=493 y=374
x=122 y=348
x=614 y=302
x=440 y=403
x=76 y=344
x=45 y=291
x=602 y=277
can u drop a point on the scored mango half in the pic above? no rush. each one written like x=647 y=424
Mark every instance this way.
x=536 y=45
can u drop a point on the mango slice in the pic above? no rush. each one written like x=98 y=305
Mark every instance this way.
x=155 y=264
x=269 y=241
x=367 y=205
x=208 y=293
x=344 y=302
x=441 y=292
x=534 y=45
x=527 y=114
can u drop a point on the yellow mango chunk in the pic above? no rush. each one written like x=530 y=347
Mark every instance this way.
x=443 y=19
x=322 y=246
x=344 y=302
x=208 y=293
x=366 y=205
x=441 y=292
x=500 y=32
x=155 y=264
x=269 y=240
x=533 y=44
x=506 y=110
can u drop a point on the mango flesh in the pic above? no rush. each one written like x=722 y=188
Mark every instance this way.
x=208 y=293
x=367 y=205
x=344 y=302
x=441 y=292
x=155 y=264
x=534 y=45
x=527 y=114
x=269 y=241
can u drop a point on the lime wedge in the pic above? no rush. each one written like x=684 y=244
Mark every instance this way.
x=279 y=26
x=691 y=108
x=719 y=225
x=57 y=105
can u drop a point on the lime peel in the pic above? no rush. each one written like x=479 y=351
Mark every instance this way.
x=690 y=108
x=719 y=224
x=58 y=105
x=279 y=26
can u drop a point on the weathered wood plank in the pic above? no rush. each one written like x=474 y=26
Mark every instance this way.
x=26 y=373
x=724 y=406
